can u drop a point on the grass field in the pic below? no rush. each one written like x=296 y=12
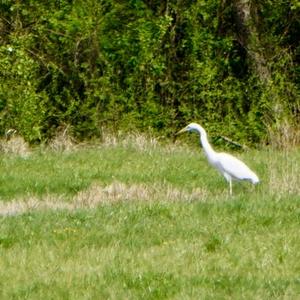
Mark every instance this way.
x=137 y=220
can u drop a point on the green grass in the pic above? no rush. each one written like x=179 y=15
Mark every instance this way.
x=152 y=242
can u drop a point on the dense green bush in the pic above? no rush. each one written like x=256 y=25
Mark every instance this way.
x=22 y=106
x=148 y=65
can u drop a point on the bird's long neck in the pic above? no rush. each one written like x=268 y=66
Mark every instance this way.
x=209 y=151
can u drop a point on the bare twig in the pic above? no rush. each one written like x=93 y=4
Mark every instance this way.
x=230 y=141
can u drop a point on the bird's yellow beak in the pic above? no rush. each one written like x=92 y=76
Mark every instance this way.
x=182 y=130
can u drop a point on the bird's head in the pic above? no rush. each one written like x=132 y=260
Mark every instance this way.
x=192 y=127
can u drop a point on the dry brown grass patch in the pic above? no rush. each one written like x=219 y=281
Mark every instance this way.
x=62 y=140
x=15 y=145
x=284 y=174
x=284 y=135
x=136 y=140
x=97 y=194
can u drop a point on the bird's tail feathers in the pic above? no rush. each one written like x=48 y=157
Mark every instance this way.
x=255 y=179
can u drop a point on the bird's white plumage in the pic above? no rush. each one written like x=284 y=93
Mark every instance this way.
x=229 y=166
x=235 y=168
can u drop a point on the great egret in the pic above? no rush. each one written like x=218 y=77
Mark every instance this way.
x=229 y=166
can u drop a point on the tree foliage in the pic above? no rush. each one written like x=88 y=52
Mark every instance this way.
x=149 y=65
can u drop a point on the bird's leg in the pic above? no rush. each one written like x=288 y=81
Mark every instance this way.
x=229 y=180
x=230 y=187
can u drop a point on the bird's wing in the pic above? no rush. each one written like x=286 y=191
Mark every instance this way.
x=235 y=167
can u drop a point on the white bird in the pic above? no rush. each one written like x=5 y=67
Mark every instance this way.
x=229 y=166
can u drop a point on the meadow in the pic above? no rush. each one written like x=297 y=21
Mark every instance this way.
x=134 y=219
